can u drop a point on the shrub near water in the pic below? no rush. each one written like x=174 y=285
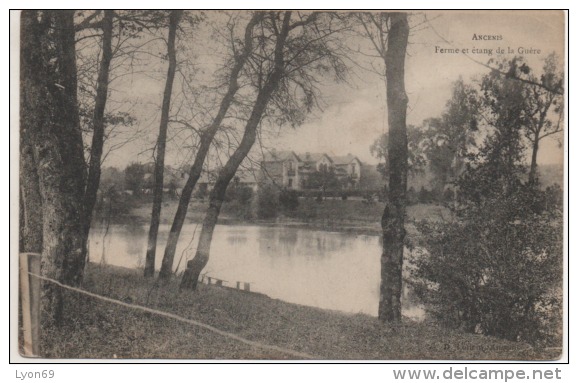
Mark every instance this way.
x=496 y=270
x=267 y=201
x=289 y=200
x=238 y=200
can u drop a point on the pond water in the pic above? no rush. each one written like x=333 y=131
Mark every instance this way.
x=338 y=271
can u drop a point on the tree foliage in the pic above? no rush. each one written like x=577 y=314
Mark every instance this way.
x=267 y=201
x=544 y=106
x=416 y=155
x=289 y=199
x=238 y=192
x=134 y=178
x=439 y=145
x=324 y=179
x=451 y=135
x=496 y=268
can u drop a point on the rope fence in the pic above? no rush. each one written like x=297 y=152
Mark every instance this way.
x=296 y=354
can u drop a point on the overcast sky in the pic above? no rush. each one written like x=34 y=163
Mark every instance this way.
x=354 y=116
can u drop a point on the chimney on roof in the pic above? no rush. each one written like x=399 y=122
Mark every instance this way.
x=307 y=154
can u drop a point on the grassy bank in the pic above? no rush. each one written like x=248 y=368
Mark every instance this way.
x=97 y=329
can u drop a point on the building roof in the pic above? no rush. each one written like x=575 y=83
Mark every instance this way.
x=313 y=157
x=279 y=155
x=308 y=158
x=285 y=155
x=247 y=176
x=344 y=160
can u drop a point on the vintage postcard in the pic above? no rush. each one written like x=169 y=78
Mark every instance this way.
x=291 y=185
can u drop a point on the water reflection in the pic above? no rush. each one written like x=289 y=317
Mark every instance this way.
x=134 y=239
x=338 y=271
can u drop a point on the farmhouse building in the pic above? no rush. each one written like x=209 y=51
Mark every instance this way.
x=292 y=171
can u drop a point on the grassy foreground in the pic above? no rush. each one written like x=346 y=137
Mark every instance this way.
x=97 y=329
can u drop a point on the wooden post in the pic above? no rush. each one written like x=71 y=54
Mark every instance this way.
x=247 y=286
x=219 y=282
x=238 y=285
x=209 y=279
x=30 y=301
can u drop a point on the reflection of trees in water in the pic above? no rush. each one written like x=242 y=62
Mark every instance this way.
x=236 y=239
x=276 y=242
x=289 y=236
x=328 y=243
x=321 y=244
x=300 y=242
x=135 y=237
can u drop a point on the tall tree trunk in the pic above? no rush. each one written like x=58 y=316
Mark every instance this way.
x=93 y=178
x=196 y=265
x=206 y=139
x=49 y=118
x=393 y=218
x=30 y=198
x=160 y=149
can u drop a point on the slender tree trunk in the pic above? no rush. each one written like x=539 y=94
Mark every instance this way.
x=206 y=139
x=49 y=119
x=394 y=213
x=93 y=177
x=196 y=265
x=533 y=163
x=160 y=150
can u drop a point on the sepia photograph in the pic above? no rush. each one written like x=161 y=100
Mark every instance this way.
x=290 y=185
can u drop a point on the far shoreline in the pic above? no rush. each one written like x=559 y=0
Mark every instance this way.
x=328 y=219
